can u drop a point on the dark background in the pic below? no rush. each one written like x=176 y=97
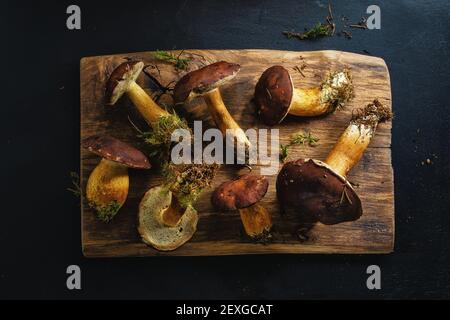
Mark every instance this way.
x=40 y=220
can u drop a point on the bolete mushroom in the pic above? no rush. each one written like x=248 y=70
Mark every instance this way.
x=319 y=189
x=205 y=82
x=107 y=185
x=275 y=95
x=123 y=81
x=243 y=194
x=163 y=223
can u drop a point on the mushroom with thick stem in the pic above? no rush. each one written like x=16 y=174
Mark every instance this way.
x=107 y=185
x=319 y=189
x=205 y=82
x=275 y=95
x=123 y=81
x=243 y=194
x=164 y=224
x=167 y=218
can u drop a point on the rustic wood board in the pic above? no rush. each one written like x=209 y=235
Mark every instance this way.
x=222 y=233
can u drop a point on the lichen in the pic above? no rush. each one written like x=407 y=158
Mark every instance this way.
x=337 y=89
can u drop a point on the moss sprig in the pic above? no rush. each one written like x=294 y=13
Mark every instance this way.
x=159 y=138
x=107 y=212
x=75 y=189
x=297 y=139
x=318 y=31
x=178 y=62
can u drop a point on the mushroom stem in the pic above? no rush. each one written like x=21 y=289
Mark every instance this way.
x=173 y=214
x=256 y=220
x=306 y=103
x=222 y=117
x=107 y=185
x=148 y=108
x=351 y=145
x=335 y=90
x=349 y=149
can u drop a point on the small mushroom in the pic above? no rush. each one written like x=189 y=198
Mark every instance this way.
x=107 y=186
x=123 y=80
x=319 y=189
x=275 y=95
x=243 y=194
x=205 y=82
x=163 y=223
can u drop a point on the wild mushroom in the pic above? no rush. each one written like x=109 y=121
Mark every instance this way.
x=167 y=218
x=319 y=189
x=243 y=194
x=123 y=81
x=275 y=95
x=162 y=223
x=163 y=123
x=205 y=82
x=107 y=185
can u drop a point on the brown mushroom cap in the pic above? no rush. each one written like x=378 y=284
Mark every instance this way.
x=240 y=193
x=273 y=95
x=115 y=150
x=120 y=80
x=314 y=189
x=204 y=80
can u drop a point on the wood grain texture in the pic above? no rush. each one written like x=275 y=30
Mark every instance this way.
x=222 y=233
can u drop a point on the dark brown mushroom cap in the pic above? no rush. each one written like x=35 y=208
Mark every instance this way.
x=273 y=95
x=204 y=80
x=115 y=150
x=314 y=189
x=120 y=79
x=240 y=193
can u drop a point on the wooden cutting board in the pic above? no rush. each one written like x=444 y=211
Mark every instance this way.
x=222 y=233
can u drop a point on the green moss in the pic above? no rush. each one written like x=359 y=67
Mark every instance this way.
x=75 y=189
x=177 y=61
x=297 y=139
x=106 y=213
x=318 y=31
x=159 y=138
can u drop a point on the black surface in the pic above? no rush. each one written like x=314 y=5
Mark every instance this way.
x=40 y=225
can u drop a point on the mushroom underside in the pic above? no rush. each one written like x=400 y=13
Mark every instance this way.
x=152 y=228
x=121 y=79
